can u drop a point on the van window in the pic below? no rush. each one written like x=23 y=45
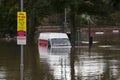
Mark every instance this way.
x=60 y=42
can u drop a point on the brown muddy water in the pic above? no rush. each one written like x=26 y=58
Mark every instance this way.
x=101 y=62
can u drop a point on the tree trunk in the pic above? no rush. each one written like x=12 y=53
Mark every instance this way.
x=72 y=63
x=73 y=27
x=31 y=30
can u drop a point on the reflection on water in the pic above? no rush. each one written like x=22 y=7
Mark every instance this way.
x=89 y=65
x=9 y=62
x=2 y=72
x=101 y=62
x=58 y=60
x=90 y=68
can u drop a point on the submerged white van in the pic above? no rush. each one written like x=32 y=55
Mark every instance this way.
x=54 y=39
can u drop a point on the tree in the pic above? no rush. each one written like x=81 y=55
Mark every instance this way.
x=8 y=11
x=115 y=4
x=38 y=9
x=89 y=7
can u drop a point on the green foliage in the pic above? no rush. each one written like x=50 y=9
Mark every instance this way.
x=8 y=11
x=80 y=21
x=38 y=9
x=115 y=4
x=116 y=18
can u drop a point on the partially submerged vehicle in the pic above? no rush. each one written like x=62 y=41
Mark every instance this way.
x=54 y=40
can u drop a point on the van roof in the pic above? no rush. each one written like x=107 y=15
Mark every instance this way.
x=50 y=35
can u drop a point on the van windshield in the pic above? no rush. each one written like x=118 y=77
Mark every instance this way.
x=60 y=42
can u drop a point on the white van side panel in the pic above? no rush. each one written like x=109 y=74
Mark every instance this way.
x=43 y=39
x=44 y=36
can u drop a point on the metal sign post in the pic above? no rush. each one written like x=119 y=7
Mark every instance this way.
x=21 y=36
x=21 y=65
x=65 y=23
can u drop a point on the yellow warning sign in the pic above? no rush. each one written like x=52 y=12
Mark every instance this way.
x=21 y=21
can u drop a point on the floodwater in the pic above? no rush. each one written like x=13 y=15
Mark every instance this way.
x=100 y=62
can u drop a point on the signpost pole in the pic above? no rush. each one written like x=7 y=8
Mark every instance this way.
x=22 y=64
x=65 y=21
x=21 y=36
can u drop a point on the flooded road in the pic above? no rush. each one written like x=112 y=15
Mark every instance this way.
x=101 y=62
